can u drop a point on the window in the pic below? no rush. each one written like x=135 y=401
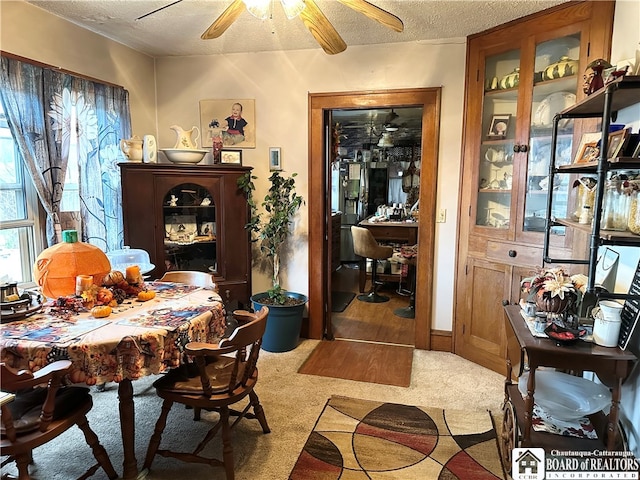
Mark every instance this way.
x=20 y=235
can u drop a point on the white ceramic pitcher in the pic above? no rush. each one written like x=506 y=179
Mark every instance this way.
x=607 y=321
x=186 y=139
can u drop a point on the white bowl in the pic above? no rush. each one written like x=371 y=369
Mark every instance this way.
x=184 y=155
x=566 y=397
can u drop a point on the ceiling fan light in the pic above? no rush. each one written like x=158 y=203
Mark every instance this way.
x=292 y=8
x=258 y=8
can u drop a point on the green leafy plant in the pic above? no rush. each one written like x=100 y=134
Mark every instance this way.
x=272 y=227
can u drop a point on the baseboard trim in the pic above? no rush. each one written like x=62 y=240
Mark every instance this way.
x=441 y=340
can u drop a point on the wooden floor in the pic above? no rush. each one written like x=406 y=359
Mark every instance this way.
x=372 y=322
x=371 y=344
x=361 y=361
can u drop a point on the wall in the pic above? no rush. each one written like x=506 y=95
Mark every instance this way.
x=32 y=33
x=280 y=83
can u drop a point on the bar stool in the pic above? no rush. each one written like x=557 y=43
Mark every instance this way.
x=408 y=256
x=365 y=245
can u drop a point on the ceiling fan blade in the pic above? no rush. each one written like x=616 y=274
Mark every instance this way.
x=376 y=13
x=224 y=21
x=157 y=10
x=322 y=30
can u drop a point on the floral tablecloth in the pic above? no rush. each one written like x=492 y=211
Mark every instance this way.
x=137 y=339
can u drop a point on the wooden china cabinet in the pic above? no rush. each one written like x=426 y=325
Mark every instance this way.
x=519 y=76
x=190 y=217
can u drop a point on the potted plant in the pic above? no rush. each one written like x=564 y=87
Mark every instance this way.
x=271 y=229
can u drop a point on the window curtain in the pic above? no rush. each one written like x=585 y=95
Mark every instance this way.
x=38 y=104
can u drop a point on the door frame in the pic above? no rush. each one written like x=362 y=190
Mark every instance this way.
x=319 y=216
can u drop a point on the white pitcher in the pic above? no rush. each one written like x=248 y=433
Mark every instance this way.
x=607 y=322
x=185 y=139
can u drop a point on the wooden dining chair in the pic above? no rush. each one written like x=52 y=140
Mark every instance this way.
x=221 y=375
x=190 y=277
x=40 y=411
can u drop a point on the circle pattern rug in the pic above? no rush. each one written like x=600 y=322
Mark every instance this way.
x=357 y=439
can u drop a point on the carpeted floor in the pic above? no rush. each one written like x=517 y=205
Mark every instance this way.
x=292 y=403
x=355 y=438
x=341 y=300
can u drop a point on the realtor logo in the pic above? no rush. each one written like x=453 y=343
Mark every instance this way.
x=527 y=464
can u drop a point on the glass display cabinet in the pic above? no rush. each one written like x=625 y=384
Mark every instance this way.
x=190 y=217
x=519 y=75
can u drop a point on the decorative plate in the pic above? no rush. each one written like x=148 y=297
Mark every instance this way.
x=564 y=396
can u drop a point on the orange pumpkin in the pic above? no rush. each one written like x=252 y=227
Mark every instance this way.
x=146 y=295
x=101 y=311
x=56 y=267
x=104 y=296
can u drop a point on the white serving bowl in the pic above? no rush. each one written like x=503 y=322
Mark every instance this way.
x=566 y=397
x=184 y=155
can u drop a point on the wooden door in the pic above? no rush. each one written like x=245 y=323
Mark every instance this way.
x=480 y=326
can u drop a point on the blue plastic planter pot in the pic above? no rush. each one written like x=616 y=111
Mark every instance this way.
x=283 y=323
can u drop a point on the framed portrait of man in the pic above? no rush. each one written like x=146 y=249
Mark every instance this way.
x=228 y=123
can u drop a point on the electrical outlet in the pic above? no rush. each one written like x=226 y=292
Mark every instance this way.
x=442 y=215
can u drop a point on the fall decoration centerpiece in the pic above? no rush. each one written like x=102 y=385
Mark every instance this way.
x=555 y=291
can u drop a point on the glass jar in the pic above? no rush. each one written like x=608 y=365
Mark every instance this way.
x=586 y=195
x=615 y=207
x=634 y=213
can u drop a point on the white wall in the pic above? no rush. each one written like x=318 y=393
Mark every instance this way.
x=280 y=83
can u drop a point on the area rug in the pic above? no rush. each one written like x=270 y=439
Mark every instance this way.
x=341 y=300
x=361 y=439
x=361 y=361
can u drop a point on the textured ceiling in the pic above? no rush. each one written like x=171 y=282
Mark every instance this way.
x=176 y=30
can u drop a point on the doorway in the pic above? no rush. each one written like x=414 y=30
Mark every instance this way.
x=374 y=173
x=320 y=203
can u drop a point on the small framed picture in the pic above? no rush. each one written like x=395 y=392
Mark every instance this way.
x=616 y=142
x=207 y=229
x=233 y=157
x=498 y=126
x=275 y=159
x=586 y=138
x=589 y=153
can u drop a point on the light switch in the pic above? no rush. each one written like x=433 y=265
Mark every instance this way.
x=442 y=215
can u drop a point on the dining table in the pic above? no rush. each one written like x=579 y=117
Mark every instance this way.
x=137 y=339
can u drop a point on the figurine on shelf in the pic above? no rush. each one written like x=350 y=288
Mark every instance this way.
x=206 y=202
x=593 y=80
x=173 y=202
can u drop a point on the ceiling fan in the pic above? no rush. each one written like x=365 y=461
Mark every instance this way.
x=312 y=17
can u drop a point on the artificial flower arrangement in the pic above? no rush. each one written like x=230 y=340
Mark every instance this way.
x=553 y=290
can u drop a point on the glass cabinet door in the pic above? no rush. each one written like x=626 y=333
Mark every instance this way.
x=191 y=229
x=499 y=110
x=555 y=85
